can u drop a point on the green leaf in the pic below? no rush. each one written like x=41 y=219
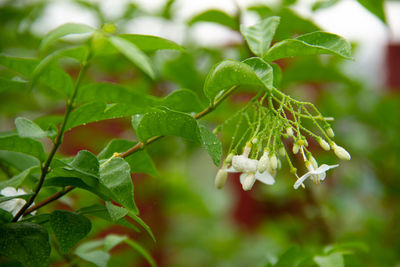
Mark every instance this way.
x=5 y=216
x=51 y=75
x=148 y=43
x=168 y=122
x=277 y=75
x=321 y=4
x=142 y=251
x=25 y=242
x=63 y=30
x=216 y=16
x=18 y=160
x=27 y=128
x=183 y=100
x=289 y=258
x=259 y=36
x=102 y=212
x=116 y=213
x=98 y=257
x=18 y=179
x=98 y=111
x=69 y=228
x=86 y=163
x=310 y=44
x=376 y=7
x=11 y=85
x=133 y=53
x=112 y=240
x=138 y=162
x=332 y=260
x=211 y=144
x=113 y=93
x=24 y=145
x=116 y=176
x=143 y=224
x=263 y=70
x=227 y=74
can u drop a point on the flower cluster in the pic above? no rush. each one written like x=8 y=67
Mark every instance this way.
x=266 y=122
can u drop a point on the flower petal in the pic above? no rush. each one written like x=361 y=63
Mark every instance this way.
x=244 y=164
x=323 y=168
x=301 y=180
x=265 y=178
x=231 y=169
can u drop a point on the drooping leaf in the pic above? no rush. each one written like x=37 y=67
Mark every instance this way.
x=310 y=44
x=138 y=162
x=11 y=85
x=24 y=145
x=289 y=258
x=332 y=260
x=89 y=251
x=168 y=122
x=27 y=128
x=63 y=30
x=376 y=7
x=227 y=74
x=134 y=54
x=143 y=224
x=141 y=250
x=51 y=75
x=102 y=212
x=211 y=144
x=18 y=179
x=149 y=43
x=98 y=111
x=116 y=213
x=18 y=160
x=116 y=176
x=183 y=100
x=216 y=16
x=25 y=242
x=260 y=35
x=111 y=241
x=69 y=228
x=113 y=93
x=263 y=70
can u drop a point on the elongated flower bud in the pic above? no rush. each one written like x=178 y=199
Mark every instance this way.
x=263 y=163
x=229 y=158
x=340 y=152
x=273 y=161
x=309 y=166
x=220 y=178
x=323 y=144
x=249 y=181
x=330 y=132
x=313 y=161
x=254 y=141
x=247 y=149
x=295 y=149
x=282 y=151
x=289 y=131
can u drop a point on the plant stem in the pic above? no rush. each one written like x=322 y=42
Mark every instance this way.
x=56 y=145
x=125 y=154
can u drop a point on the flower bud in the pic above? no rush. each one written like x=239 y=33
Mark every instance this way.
x=313 y=162
x=273 y=161
x=296 y=148
x=220 y=178
x=263 y=163
x=323 y=144
x=289 y=131
x=340 y=152
x=279 y=164
x=330 y=132
x=249 y=180
x=254 y=141
x=247 y=149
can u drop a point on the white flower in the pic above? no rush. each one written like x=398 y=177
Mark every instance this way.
x=250 y=174
x=317 y=173
x=12 y=205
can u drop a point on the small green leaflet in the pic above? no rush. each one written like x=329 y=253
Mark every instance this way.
x=11 y=85
x=376 y=7
x=149 y=43
x=69 y=228
x=310 y=44
x=134 y=54
x=263 y=70
x=116 y=176
x=116 y=213
x=63 y=30
x=216 y=16
x=27 y=128
x=331 y=260
x=211 y=144
x=24 y=145
x=260 y=35
x=227 y=74
x=25 y=242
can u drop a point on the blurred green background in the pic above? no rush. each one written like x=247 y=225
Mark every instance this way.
x=355 y=211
